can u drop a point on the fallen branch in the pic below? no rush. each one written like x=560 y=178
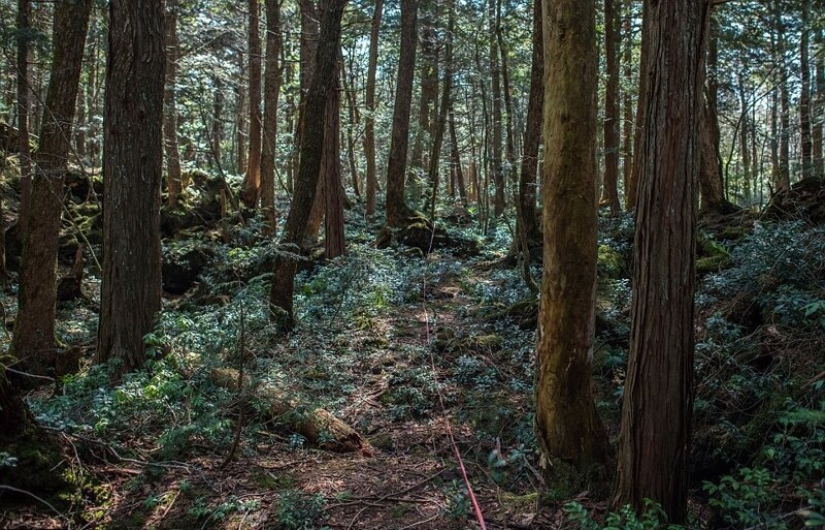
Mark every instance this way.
x=318 y=426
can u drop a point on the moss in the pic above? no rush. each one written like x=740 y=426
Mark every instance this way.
x=610 y=263
x=37 y=468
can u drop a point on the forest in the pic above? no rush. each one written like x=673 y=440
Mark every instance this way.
x=412 y=264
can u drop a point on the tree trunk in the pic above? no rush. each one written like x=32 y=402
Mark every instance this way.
x=312 y=152
x=441 y=123
x=34 y=330
x=241 y=135
x=610 y=189
x=495 y=80
x=744 y=149
x=819 y=107
x=627 y=99
x=334 y=244
x=354 y=120
x=658 y=396
x=24 y=107
x=133 y=163
x=428 y=105
x=369 y=119
x=784 y=182
x=571 y=437
x=250 y=191
x=805 y=143
x=170 y=118
x=455 y=161
x=527 y=219
x=270 y=130
x=632 y=190
x=396 y=206
x=509 y=142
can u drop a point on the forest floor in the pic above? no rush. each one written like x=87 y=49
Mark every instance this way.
x=430 y=360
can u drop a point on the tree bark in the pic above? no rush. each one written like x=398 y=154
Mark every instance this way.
x=396 y=206
x=499 y=201
x=334 y=244
x=441 y=123
x=34 y=331
x=658 y=396
x=312 y=144
x=24 y=106
x=805 y=142
x=610 y=186
x=133 y=163
x=270 y=126
x=369 y=118
x=571 y=437
x=527 y=219
x=250 y=191
x=819 y=107
x=170 y=118
x=627 y=99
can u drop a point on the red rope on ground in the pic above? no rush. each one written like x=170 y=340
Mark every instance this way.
x=473 y=500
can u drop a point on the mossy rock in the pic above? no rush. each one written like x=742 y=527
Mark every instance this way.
x=37 y=468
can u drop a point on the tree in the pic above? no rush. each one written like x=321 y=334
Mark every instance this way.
x=396 y=206
x=132 y=166
x=24 y=102
x=312 y=151
x=658 y=396
x=369 y=120
x=270 y=128
x=34 y=331
x=252 y=181
x=170 y=117
x=526 y=220
x=499 y=202
x=571 y=437
x=610 y=188
x=805 y=143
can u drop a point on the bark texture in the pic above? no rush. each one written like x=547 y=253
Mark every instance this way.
x=369 y=118
x=132 y=167
x=396 y=206
x=272 y=80
x=170 y=114
x=252 y=181
x=34 y=330
x=658 y=397
x=610 y=187
x=312 y=143
x=571 y=437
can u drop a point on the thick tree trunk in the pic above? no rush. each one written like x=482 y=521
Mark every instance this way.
x=571 y=437
x=658 y=396
x=369 y=119
x=270 y=129
x=250 y=191
x=133 y=163
x=34 y=338
x=396 y=206
x=528 y=182
x=610 y=187
x=312 y=144
x=170 y=118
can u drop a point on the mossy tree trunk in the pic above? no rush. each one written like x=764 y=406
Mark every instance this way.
x=658 y=396
x=34 y=331
x=570 y=434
